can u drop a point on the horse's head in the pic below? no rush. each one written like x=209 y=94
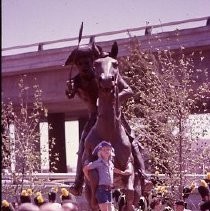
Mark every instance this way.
x=106 y=70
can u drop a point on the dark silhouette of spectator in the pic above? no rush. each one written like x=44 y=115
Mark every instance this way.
x=65 y=195
x=205 y=206
x=180 y=206
x=25 y=197
x=203 y=189
x=156 y=204
x=207 y=178
x=6 y=206
x=52 y=195
x=186 y=193
x=39 y=200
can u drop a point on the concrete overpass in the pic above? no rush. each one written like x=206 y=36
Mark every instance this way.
x=47 y=67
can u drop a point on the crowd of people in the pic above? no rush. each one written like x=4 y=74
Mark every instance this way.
x=30 y=201
x=157 y=199
x=161 y=200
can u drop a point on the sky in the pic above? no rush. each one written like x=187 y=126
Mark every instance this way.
x=32 y=21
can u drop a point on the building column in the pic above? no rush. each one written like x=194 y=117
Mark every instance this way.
x=57 y=122
x=82 y=122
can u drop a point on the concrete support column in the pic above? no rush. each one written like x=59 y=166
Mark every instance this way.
x=57 y=122
x=82 y=122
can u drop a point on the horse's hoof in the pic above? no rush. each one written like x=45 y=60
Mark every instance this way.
x=76 y=191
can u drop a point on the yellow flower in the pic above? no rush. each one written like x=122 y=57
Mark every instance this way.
x=208 y=175
x=38 y=194
x=203 y=183
x=192 y=186
x=24 y=193
x=158 y=188
x=40 y=199
x=29 y=191
x=163 y=189
x=64 y=192
x=5 y=203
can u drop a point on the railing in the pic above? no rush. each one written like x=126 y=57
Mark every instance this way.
x=48 y=179
x=40 y=45
x=51 y=178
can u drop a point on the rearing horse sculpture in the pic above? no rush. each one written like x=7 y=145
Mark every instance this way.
x=108 y=127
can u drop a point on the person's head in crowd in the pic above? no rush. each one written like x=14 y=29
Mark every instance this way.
x=188 y=190
x=156 y=204
x=203 y=190
x=205 y=206
x=142 y=203
x=28 y=207
x=167 y=201
x=116 y=195
x=39 y=200
x=51 y=207
x=207 y=176
x=69 y=205
x=52 y=195
x=65 y=195
x=207 y=179
x=179 y=205
x=167 y=208
x=6 y=206
x=155 y=179
x=25 y=196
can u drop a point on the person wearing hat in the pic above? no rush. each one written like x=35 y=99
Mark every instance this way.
x=207 y=179
x=85 y=87
x=65 y=195
x=106 y=170
x=6 y=206
x=204 y=193
x=25 y=197
x=39 y=200
x=187 y=190
x=180 y=206
x=52 y=195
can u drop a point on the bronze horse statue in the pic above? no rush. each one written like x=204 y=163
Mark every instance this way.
x=108 y=127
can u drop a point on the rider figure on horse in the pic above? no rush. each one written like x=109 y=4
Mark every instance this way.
x=84 y=85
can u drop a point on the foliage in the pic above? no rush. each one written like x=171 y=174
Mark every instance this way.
x=167 y=90
x=21 y=156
